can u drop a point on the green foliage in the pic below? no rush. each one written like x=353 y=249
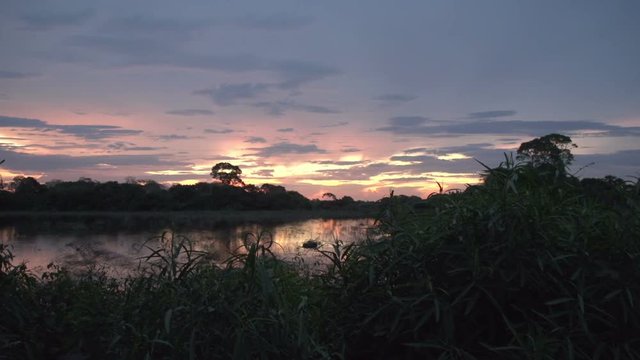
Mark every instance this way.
x=511 y=269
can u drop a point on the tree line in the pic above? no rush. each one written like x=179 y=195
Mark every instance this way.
x=548 y=157
x=229 y=192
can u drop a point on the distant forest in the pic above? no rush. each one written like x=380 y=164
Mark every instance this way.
x=27 y=194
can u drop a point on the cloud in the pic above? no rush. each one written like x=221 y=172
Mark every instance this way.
x=279 y=108
x=504 y=127
x=229 y=94
x=295 y=73
x=15 y=75
x=407 y=121
x=171 y=137
x=285 y=130
x=142 y=49
x=341 y=123
x=132 y=49
x=149 y=25
x=46 y=20
x=90 y=132
x=255 y=140
x=394 y=99
x=415 y=150
x=279 y=21
x=339 y=163
x=265 y=173
x=285 y=148
x=491 y=114
x=189 y=112
x=127 y=146
x=626 y=158
x=95 y=132
x=43 y=163
x=219 y=131
x=350 y=150
x=359 y=172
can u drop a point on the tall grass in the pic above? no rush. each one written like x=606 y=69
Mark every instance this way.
x=528 y=265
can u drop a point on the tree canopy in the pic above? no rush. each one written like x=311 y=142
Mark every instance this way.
x=551 y=149
x=227 y=174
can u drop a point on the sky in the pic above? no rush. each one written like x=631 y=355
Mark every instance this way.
x=349 y=97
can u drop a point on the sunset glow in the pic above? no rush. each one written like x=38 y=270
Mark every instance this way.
x=315 y=98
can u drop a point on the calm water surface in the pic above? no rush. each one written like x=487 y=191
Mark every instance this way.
x=118 y=242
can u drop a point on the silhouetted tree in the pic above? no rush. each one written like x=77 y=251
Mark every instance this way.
x=272 y=189
x=1 y=179
x=227 y=174
x=329 y=196
x=552 y=149
x=26 y=185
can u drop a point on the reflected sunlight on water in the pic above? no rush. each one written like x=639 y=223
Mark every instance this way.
x=120 y=250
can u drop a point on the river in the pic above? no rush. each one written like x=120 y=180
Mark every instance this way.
x=117 y=242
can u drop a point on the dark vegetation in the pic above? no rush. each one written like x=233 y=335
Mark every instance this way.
x=532 y=264
x=229 y=193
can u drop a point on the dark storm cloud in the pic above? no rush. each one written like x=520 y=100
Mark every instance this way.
x=219 y=131
x=390 y=99
x=189 y=112
x=46 y=20
x=255 y=140
x=279 y=108
x=90 y=132
x=30 y=162
x=532 y=128
x=285 y=148
x=229 y=94
x=491 y=114
x=15 y=75
x=280 y=21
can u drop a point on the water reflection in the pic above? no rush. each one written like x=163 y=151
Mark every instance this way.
x=81 y=245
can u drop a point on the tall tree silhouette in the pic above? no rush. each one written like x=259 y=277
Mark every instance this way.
x=552 y=149
x=227 y=174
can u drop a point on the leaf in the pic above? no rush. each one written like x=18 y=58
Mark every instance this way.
x=559 y=301
x=167 y=320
